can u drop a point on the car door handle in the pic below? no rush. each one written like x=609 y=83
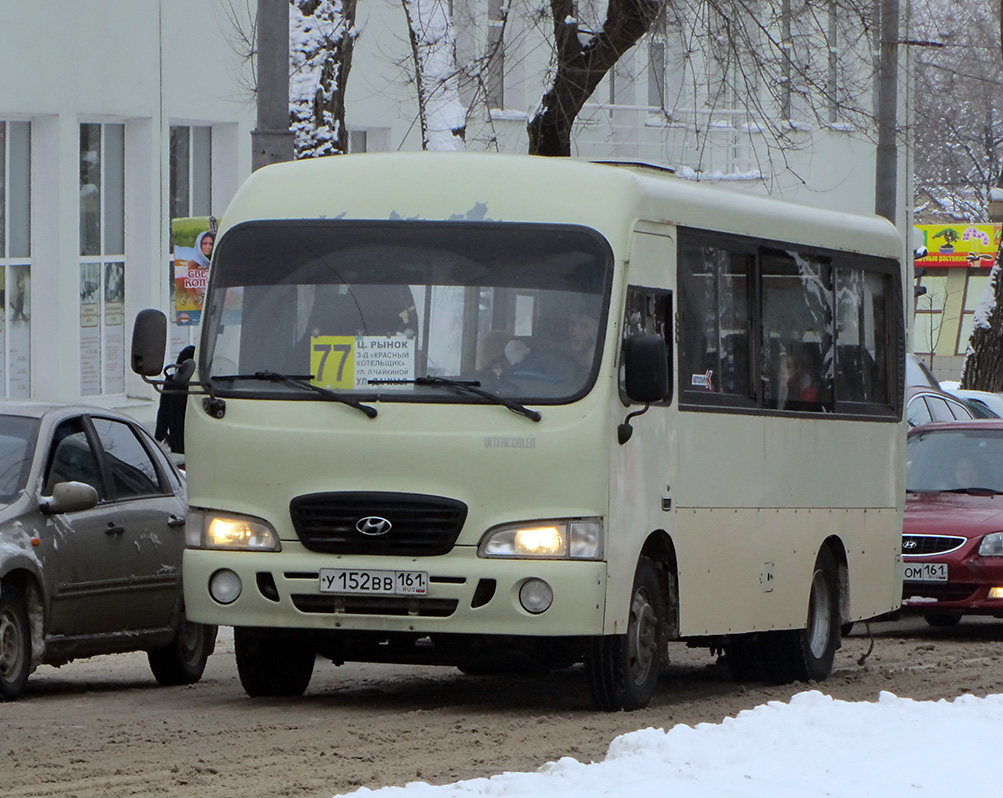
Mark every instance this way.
x=175 y=521
x=114 y=529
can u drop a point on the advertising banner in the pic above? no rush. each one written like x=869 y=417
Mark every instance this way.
x=192 y=239
x=962 y=245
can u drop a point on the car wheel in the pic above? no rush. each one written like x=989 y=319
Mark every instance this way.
x=622 y=670
x=182 y=661
x=273 y=662
x=15 y=643
x=943 y=618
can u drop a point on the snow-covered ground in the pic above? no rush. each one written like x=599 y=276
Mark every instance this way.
x=812 y=746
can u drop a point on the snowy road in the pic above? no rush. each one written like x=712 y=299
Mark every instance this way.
x=101 y=728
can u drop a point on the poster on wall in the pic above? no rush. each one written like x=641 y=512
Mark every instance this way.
x=90 y=329
x=192 y=239
x=962 y=245
x=19 y=333
x=114 y=327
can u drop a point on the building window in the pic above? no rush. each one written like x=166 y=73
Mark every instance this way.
x=656 y=74
x=102 y=259
x=929 y=323
x=191 y=171
x=15 y=259
x=190 y=190
x=495 y=79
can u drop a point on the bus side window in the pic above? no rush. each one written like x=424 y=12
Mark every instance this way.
x=715 y=321
x=648 y=311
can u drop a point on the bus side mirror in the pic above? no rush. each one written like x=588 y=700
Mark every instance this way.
x=646 y=368
x=149 y=342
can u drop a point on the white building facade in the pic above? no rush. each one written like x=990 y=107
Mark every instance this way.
x=115 y=115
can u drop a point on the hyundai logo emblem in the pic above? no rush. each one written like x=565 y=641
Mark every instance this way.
x=909 y=544
x=373 y=525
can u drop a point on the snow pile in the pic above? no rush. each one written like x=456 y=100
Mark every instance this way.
x=815 y=745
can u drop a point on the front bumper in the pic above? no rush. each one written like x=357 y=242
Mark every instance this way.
x=466 y=594
x=966 y=590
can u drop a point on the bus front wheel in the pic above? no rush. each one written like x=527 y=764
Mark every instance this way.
x=622 y=670
x=273 y=662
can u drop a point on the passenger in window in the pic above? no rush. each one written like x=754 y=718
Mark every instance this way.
x=801 y=384
x=492 y=353
x=583 y=333
x=966 y=472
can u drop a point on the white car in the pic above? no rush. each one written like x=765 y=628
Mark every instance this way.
x=992 y=401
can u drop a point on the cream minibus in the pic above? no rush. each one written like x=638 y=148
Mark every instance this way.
x=502 y=412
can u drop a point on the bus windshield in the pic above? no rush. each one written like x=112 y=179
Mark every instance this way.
x=395 y=312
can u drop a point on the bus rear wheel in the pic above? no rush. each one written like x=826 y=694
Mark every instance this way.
x=273 y=662
x=622 y=670
x=799 y=654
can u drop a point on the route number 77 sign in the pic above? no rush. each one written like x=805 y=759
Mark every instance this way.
x=349 y=362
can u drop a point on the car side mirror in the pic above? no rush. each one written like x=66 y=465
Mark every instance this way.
x=69 y=497
x=646 y=368
x=149 y=342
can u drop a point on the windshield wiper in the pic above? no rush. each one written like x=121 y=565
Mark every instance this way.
x=301 y=381
x=466 y=386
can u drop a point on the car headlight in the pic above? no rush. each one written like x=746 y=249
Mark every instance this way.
x=209 y=530
x=574 y=539
x=992 y=545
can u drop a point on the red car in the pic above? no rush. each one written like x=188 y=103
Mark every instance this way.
x=952 y=538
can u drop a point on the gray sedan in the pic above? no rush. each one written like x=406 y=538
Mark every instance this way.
x=92 y=517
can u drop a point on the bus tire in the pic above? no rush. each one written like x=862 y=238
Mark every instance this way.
x=622 y=670
x=273 y=662
x=15 y=643
x=183 y=660
x=807 y=654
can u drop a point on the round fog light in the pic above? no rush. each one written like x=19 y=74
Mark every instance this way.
x=536 y=596
x=224 y=586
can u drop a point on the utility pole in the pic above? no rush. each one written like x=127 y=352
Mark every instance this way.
x=272 y=140
x=886 y=164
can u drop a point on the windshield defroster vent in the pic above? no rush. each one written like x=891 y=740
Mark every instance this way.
x=403 y=524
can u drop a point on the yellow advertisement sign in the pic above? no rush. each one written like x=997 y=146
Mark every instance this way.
x=960 y=245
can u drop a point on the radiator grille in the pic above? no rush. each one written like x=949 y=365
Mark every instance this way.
x=417 y=525
x=918 y=545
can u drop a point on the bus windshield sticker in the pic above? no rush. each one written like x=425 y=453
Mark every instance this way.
x=346 y=362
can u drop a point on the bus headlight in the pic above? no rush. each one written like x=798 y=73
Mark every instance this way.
x=209 y=530
x=568 y=539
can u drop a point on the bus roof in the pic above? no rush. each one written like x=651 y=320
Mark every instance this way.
x=609 y=197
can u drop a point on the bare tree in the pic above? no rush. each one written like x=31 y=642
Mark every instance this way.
x=442 y=116
x=322 y=36
x=583 y=57
x=959 y=149
x=959 y=121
